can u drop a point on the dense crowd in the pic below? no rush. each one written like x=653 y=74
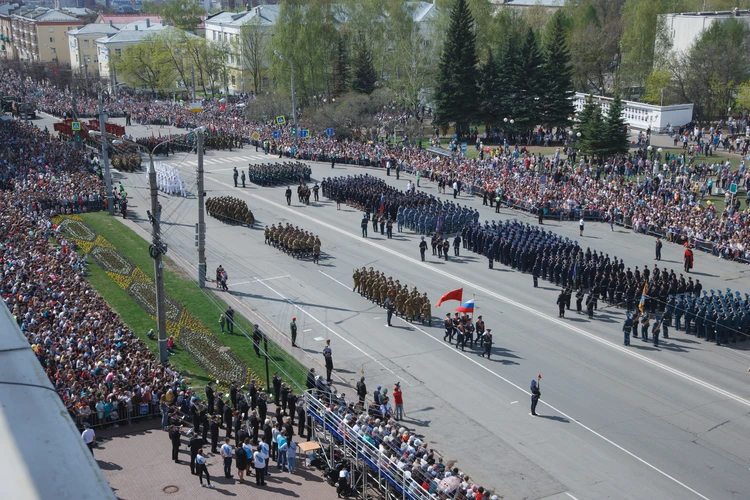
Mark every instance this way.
x=665 y=196
x=102 y=372
x=375 y=419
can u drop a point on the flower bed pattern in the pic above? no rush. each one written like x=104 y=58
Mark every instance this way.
x=189 y=333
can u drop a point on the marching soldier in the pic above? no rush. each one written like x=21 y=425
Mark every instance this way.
x=426 y=310
x=487 y=343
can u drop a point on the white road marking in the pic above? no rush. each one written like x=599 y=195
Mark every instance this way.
x=290 y=301
x=530 y=310
x=571 y=496
x=377 y=317
x=319 y=339
x=259 y=280
x=308 y=330
x=556 y=410
x=513 y=402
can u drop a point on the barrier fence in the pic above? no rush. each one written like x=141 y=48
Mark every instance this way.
x=374 y=468
x=123 y=414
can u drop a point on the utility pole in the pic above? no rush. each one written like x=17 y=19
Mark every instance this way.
x=105 y=158
x=294 y=97
x=156 y=250
x=201 y=217
x=192 y=75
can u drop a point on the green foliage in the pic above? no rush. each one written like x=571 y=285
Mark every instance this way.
x=306 y=35
x=703 y=77
x=530 y=84
x=489 y=91
x=616 y=140
x=340 y=69
x=364 y=71
x=145 y=65
x=251 y=47
x=183 y=14
x=456 y=90
x=557 y=104
x=591 y=127
x=658 y=85
x=742 y=101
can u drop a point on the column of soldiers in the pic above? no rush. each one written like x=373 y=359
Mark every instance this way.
x=273 y=174
x=169 y=180
x=464 y=329
x=366 y=193
x=230 y=209
x=293 y=241
x=385 y=291
x=417 y=211
x=222 y=141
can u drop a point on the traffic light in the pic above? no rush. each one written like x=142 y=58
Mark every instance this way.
x=294 y=130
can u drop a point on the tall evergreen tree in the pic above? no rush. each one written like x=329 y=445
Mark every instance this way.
x=340 y=69
x=591 y=127
x=488 y=91
x=364 y=71
x=456 y=96
x=506 y=81
x=557 y=101
x=617 y=140
x=530 y=84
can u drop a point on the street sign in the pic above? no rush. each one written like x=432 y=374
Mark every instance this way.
x=276 y=134
x=256 y=135
x=733 y=188
x=76 y=125
x=463 y=147
x=280 y=120
x=304 y=133
x=329 y=132
x=196 y=107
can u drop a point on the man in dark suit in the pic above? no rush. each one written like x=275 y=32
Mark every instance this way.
x=174 y=436
x=196 y=443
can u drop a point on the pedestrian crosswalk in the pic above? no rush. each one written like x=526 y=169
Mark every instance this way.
x=239 y=161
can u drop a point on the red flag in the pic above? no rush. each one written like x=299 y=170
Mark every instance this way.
x=452 y=295
x=539 y=376
x=153 y=139
x=223 y=106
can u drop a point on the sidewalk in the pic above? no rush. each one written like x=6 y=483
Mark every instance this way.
x=138 y=466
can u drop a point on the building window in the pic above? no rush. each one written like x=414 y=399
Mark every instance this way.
x=214 y=36
x=52 y=39
x=51 y=29
x=233 y=84
x=88 y=59
x=85 y=44
x=118 y=52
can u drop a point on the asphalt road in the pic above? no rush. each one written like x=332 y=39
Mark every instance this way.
x=616 y=422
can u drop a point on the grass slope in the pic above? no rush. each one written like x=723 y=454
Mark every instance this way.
x=203 y=304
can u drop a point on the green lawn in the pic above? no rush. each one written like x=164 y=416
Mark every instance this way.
x=201 y=303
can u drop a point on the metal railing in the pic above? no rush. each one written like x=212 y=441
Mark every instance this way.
x=334 y=434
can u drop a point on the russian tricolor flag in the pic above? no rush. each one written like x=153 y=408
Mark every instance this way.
x=466 y=307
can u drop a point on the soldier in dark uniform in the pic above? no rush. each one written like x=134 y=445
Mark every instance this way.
x=487 y=343
x=423 y=248
x=561 y=299
x=626 y=327
x=174 y=437
x=288 y=195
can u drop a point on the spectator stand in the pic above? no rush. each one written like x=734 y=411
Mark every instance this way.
x=371 y=469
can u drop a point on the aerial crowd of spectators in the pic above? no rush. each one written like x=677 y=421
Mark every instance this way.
x=647 y=190
x=102 y=372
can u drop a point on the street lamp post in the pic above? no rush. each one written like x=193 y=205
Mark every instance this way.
x=157 y=247
x=294 y=97
x=105 y=157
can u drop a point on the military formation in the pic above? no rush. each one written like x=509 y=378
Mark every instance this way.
x=215 y=140
x=230 y=209
x=714 y=316
x=126 y=162
x=274 y=174
x=293 y=241
x=436 y=216
x=366 y=193
x=386 y=292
